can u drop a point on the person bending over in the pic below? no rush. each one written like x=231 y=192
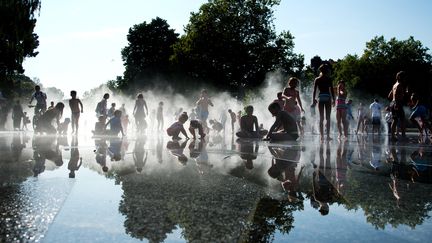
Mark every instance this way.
x=284 y=128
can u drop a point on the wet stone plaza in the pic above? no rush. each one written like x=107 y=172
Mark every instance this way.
x=109 y=189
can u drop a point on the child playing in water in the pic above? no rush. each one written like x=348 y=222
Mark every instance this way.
x=293 y=103
x=375 y=108
x=177 y=127
x=284 y=121
x=115 y=124
x=217 y=126
x=247 y=124
x=76 y=107
x=233 y=119
x=195 y=124
x=341 y=110
x=280 y=100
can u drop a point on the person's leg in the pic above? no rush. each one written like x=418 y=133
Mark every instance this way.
x=321 y=118
x=344 y=122
x=192 y=131
x=280 y=136
x=339 y=121
x=328 y=113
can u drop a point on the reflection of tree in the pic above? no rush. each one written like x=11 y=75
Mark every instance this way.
x=272 y=215
x=372 y=194
x=210 y=207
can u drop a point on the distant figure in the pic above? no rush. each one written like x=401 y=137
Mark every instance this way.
x=17 y=115
x=44 y=122
x=326 y=98
x=51 y=105
x=123 y=110
x=112 y=109
x=99 y=126
x=196 y=124
x=40 y=97
x=101 y=108
x=233 y=119
x=76 y=107
x=397 y=95
x=63 y=127
x=178 y=113
x=115 y=124
x=140 y=114
x=293 y=104
x=223 y=119
x=280 y=99
x=177 y=127
x=202 y=107
x=249 y=125
x=284 y=122
x=193 y=115
x=25 y=121
x=215 y=125
x=341 y=110
x=420 y=118
x=361 y=117
x=160 y=117
x=140 y=155
x=350 y=117
x=375 y=109
x=239 y=115
x=388 y=118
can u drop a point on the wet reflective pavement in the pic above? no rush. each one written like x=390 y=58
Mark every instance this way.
x=105 y=189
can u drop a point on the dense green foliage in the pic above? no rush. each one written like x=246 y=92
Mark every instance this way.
x=375 y=70
x=17 y=39
x=228 y=44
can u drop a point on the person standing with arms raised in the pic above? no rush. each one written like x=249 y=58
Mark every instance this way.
x=326 y=98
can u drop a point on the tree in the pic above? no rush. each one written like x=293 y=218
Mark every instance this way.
x=147 y=54
x=17 y=40
x=233 y=44
x=376 y=69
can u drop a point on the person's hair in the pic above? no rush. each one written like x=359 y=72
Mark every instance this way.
x=414 y=96
x=249 y=109
x=37 y=87
x=101 y=118
x=295 y=80
x=106 y=96
x=376 y=100
x=73 y=93
x=229 y=110
x=324 y=68
x=274 y=106
x=60 y=106
x=67 y=120
x=161 y=103
x=401 y=75
x=279 y=94
x=113 y=104
x=140 y=96
x=324 y=211
x=117 y=113
x=183 y=117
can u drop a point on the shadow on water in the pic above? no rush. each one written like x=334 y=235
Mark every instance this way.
x=229 y=190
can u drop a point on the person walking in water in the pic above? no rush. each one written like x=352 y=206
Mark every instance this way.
x=326 y=98
x=293 y=104
x=341 y=110
x=202 y=106
x=397 y=95
x=76 y=107
x=139 y=113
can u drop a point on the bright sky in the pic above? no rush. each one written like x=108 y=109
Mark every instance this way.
x=80 y=40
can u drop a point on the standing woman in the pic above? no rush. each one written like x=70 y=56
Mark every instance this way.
x=293 y=103
x=326 y=98
x=341 y=109
x=139 y=113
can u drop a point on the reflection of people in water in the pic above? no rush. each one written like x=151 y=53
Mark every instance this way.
x=101 y=153
x=200 y=155
x=45 y=148
x=17 y=146
x=248 y=152
x=341 y=165
x=114 y=149
x=177 y=149
x=75 y=160
x=323 y=190
x=159 y=149
x=283 y=168
x=139 y=154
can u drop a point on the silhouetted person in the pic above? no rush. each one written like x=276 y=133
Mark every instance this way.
x=17 y=115
x=115 y=125
x=76 y=107
x=139 y=113
x=284 y=128
x=326 y=98
x=45 y=121
x=159 y=116
x=75 y=160
x=177 y=127
x=40 y=98
x=249 y=125
x=101 y=108
x=397 y=95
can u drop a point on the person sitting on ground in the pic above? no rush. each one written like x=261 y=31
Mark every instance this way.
x=247 y=124
x=44 y=122
x=284 y=122
x=63 y=127
x=195 y=124
x=217 y=126
x=99 y=126
x=115 y=124
x=177 y=127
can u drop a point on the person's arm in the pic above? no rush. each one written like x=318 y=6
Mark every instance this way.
x=390 y=95
x=210 y=103
x=121 y=130
x=314 y=92
x=273 y=127
x=134 y=109
x=82 y=107
x=145 y=105
x=299 y=100
x=109 y=122
x=332 y=94
x=183 y=131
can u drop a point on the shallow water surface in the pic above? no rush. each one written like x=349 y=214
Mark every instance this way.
x=73 y=189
